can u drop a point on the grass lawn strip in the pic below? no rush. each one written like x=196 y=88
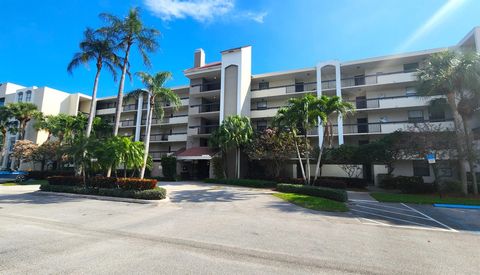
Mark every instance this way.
x=314 y=203
x=423 y=199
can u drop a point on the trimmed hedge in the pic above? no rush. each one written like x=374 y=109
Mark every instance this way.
x=169 y=166
x=104 y=182
x=157 y=193
x=409 y=185
x=330 y=182
x=323 y=192
x=42 y=175
x=244 y=182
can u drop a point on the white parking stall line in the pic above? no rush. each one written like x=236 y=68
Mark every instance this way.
x=354 y=200
x=374 y=222
x=386 y=206
x=432 y=219
x=392 y=212
x=391 y=218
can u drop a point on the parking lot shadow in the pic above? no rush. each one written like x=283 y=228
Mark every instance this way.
x=209 y=195
x=35 y=198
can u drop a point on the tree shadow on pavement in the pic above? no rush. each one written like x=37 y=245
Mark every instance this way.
x=209 y=195
x=35 y=198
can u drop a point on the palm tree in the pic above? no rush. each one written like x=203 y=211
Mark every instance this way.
x=455 y=76
x=157 y=96
x=330 y=106
x=98 y=47
x=234 y=132
x=299 y=117
x=127 y=152
x=130 y=31
x=23 y=112
x=5 y=126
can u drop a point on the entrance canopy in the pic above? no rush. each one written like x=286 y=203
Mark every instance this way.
x=196 y=153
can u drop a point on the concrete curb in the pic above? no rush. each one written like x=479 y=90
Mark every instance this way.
x=103 y=198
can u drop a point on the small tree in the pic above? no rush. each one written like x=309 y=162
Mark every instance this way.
x=23 y=150
x=169 y=167
x=234 y=132
x=46 y=152
x=347 y=157
x=272 y=145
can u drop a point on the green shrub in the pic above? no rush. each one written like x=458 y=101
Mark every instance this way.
x=323 y=192
x=136 y=184
x=450 y=186
x=410 y=185
x=65 y=180
x=157 y=193
x=244 y=182
x=217 y=163
x=169 y=167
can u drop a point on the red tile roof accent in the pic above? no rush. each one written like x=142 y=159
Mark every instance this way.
x=196 y=152
x=206 y=66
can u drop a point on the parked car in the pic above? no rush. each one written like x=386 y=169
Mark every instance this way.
x=17 y=176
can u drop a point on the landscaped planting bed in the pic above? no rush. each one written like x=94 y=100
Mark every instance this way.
x=102 y=186
x=323 y=192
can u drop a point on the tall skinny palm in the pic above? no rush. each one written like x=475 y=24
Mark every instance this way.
x=130 y=31
x=331 y=107
x=300 y=116
x=157 y=96
x=98 y=47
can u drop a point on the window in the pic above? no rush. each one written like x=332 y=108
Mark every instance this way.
x=410 y=91
x=359 y=80
x=421 y=168
x=12 y=143
x=261 y=125
x=436 y=115
x=28 y=96
x=261 y=105
x=2 y=101
x=20 y=97
x=263 y=85
x=415 y=116
x=299 y=87
x=410 y=67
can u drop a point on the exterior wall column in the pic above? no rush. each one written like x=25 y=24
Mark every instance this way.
x=338 y=86
x=319 y=94
x=138 y=124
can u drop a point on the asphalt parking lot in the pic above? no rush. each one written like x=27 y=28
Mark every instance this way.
x=416 y=216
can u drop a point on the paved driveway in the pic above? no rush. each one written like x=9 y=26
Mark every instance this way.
x=210 y=229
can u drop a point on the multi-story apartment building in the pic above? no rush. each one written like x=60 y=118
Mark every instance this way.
x=49 y=101
x=381 y=88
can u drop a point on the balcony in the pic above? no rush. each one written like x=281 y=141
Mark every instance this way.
x=202 y=130
x=205 y=88
x=127 y=123
x=389 y=127
x=159 y=154
x=183 y=102
x=381 y=78
x=284 y=90
x=208 y=108
x=129 y=107
x=170 y=137
x=391 y=102
x=181 y=119
x=264 y=112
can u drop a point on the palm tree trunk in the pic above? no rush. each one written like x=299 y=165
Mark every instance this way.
x=93 y=106
x=4 y=144
x=319 y=160
x=118 y=109
x=307 y=156
x=457 y=120
x=147 y=136
x=300 y=160
x=469 y=153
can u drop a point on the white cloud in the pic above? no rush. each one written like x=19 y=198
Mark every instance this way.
x=200 y=10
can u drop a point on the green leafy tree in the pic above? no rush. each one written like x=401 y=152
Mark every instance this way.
x=5 y=126
x=99 y=47
x=124 y=152
x=23 y=112
x=157 y=96
x=234 y=133
x=129 y=31
x=456 y=76
x=272 y=145
x=46 y=152
x=23 y=151
x=300 y=116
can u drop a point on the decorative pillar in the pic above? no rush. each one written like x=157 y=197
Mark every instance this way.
x=138 y=124
x=338 y=86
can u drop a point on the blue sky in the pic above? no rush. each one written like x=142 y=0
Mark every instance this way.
x=40 y=37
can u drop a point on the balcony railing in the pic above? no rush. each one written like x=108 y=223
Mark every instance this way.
x=294 y=88
x=207 y=107
x=129 y=107
x=206 y=87
x=161 y=137
x=382 y=127
x=205 y=129
x=127 y=123
x=165 y=120
x=159 y=154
